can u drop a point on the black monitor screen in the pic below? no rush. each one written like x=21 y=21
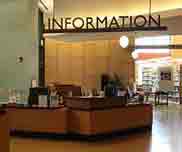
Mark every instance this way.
x=34 y=94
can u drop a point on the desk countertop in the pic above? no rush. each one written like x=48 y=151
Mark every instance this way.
x=94 y=97
x=34 y=107
x=87 y=104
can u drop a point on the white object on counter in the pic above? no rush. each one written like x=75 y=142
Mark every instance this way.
x=42 y=101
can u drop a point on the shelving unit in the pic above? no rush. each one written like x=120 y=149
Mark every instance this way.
x=176 y=78
x=149 y=76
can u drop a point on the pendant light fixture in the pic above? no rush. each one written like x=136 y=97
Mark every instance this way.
x=124 y=41
x=135 y=53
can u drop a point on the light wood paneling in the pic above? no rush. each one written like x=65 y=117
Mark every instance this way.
x=77 y=70
x=51 y=68
x=77 y=50
x=65 y=62
x=51 y=46
x=83 y=62
x=102 y=48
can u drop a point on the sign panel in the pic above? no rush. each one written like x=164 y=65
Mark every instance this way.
x=104 y=24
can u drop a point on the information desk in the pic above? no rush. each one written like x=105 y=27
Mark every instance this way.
x=4 y=131
x=87 y=118
x=38 y=120
x=81 y=115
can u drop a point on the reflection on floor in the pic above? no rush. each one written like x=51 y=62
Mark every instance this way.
x=166 y=136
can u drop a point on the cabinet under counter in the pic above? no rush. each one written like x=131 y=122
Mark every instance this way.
x=38 y=119
x=4 y=131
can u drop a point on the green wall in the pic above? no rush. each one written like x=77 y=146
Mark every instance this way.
x=18 y=37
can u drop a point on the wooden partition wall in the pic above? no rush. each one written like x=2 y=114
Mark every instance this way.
x=83 y=62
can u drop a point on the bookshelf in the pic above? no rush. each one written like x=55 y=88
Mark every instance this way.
x=149 y=76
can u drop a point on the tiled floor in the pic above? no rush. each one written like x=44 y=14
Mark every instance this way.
x=166 y=136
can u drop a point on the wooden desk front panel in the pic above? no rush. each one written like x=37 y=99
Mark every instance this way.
x=39 y=120
x=108 y=121
x=79 y=122
x=4 y=133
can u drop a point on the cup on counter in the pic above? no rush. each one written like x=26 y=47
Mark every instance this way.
x=12 y=96
x=42 y=100
x=24 y=97
x=54 y=100
x=101 y=94
x=70 y=94
x=61 y=101
x=18 y=97
x=90 y=93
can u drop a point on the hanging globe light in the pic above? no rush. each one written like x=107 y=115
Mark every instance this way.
x=124 y=41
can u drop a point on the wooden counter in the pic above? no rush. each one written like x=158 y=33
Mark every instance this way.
x=107 y=120
x=84 y=116
x=94 y=103
x=38 y=120
x=4 y=131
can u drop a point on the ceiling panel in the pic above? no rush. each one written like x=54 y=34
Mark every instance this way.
x=112 y=7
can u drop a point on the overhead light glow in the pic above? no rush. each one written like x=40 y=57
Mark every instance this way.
x=47 y=35
x=153 y=41
x=159 y=51
x=124 y=41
